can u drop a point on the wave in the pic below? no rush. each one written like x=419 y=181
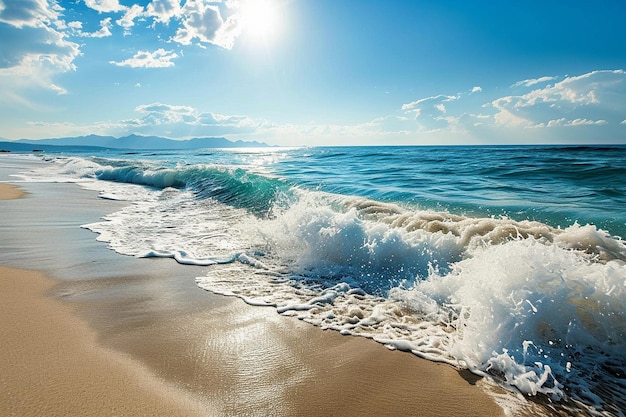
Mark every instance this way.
x=234 y=186
x=536 y=307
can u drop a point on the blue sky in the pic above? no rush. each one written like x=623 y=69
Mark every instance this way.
x=316 y=72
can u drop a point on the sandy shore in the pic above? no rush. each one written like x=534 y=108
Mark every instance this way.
x=10 y=192
x=52 y=365
x=123 y=336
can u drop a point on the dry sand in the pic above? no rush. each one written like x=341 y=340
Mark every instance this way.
x=148 y=345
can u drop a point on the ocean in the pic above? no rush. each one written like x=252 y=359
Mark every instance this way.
x=507 y=261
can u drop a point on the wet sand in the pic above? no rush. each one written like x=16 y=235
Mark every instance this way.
x=52 y=365
x=114 y=335
x=10 y=192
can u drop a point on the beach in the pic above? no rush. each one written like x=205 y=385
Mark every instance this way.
x=92 y=332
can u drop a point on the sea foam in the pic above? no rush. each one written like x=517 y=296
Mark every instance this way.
x=535 y=307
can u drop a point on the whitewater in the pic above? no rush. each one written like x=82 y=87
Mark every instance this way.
x=506 y=261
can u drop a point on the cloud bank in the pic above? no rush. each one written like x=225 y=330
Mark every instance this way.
x=199 y=22
x=542 y=109
x=580 y=108
x=594 y=98
x=34 y=45
x=41 y=39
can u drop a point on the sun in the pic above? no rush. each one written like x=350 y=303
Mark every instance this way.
x=260 y=18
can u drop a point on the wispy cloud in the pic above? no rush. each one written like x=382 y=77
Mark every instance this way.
x=534 y=81
x=104 y=31
x=127 y=21
x=145 y=59
x=417 y=105
x=431 y=109
x=576 y=122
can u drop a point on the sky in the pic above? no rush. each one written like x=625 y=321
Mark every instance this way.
x=316 y=72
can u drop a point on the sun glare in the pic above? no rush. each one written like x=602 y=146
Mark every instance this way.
x=260 y=18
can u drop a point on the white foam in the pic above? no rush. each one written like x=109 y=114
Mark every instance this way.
x=537 y=307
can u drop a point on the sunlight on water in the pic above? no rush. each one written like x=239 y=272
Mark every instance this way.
x=476 y=263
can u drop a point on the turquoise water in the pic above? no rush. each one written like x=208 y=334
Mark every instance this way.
x=558 y=185
x=507 y=261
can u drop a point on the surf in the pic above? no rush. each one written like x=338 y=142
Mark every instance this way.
x=534 y=305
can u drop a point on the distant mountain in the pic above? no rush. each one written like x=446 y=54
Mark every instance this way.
x=12 y=146
x=142 y=142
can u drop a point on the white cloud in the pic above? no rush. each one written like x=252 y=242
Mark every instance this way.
x=585 y=122
x=579 y=108
x=39 y=45
x=75 y=25
x=531 y=82
x=33 y=47
x=476 y=89
x=428 y=113
x=507 y=116
x=572 y=108
x=186 y=121
x=158 y=113
x=145 y=59
x=428 y=101
x=174 y=121
x=104 y=31
x=163 y=10
x=128 y=20
x=563 y=122
x=166 y=113
x=195 y=21
x=105 y=6
x=20 y=13
x=594 y=96
x=204 y=22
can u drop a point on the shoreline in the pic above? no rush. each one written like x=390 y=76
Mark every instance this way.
x=53 y=363
x=217 y=355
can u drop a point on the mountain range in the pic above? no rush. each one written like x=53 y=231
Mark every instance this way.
x=135 y=142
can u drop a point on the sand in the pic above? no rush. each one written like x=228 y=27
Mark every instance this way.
x=10 y=192
x=52 y=365
x=114 y=335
